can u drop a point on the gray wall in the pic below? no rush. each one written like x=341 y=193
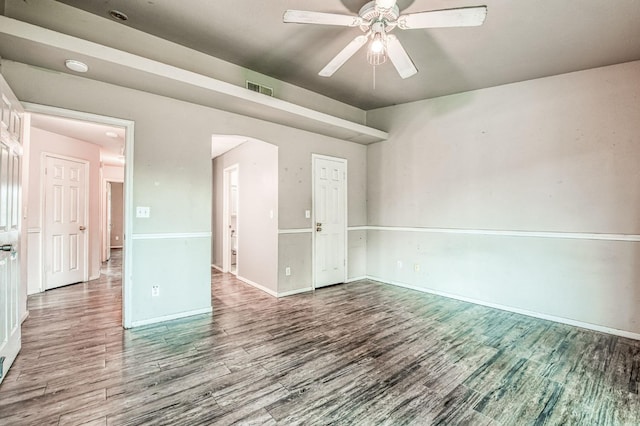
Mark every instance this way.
x=555 y=157
x=258 y=199
x=68 y=20
x=172 y=175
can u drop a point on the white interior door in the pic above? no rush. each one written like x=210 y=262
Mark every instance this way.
x=10 y=214
x=330 y=220
x=65 y=221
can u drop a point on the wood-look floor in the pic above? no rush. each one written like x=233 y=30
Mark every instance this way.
x=362 y=353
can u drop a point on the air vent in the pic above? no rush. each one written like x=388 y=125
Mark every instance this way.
x=255 y=87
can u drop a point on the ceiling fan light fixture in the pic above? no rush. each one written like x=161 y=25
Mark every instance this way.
x=377 y=51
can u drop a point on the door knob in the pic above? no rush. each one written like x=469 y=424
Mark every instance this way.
x=82 y=228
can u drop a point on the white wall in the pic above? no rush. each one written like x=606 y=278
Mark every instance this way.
x=257 y=211
x=47 y=142
x=556 y=157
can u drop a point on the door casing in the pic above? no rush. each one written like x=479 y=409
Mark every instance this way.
x=129 y=126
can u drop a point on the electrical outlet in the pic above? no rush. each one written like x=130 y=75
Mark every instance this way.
x=143 y=212
x=416 y=267
x=155 y=291
x=287 y=271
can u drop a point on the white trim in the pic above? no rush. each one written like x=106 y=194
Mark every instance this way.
x=292 y=292
x=34 y=230
x=307 y=118
x=358 y=228
x=216 y=267
x=170 y=236
x=507 y=233
x=24 y=317
x=295 y=231
x=354 y=279
x=172 y=317
x=258 y=286
x=561 y=320
x=94 y=277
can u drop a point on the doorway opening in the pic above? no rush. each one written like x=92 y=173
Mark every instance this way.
x=245 y=210
x=231 y=217
x=59 y=218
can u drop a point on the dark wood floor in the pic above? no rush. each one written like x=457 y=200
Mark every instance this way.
x=362 y=353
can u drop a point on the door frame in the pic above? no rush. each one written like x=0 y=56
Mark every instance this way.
x=315 y=157
x=43 y=225
x=129 y=126
x=226 y=215
x=104 y=245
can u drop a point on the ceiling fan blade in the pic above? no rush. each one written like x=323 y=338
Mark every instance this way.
x=308 y=17
x=343 y=56
x=459 y=17
x=399 y=57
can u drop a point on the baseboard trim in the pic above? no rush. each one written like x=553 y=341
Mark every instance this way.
x=298 y=291
x=258 y=286
x=116 y=247
x=172 y=317
x=24 y=317
x=295 y=231
x=350 y=280
x=216 y=267
x=93 y=277
x=561 y=320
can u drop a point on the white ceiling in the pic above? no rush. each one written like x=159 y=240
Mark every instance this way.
x=111 y=149
x=520 y=40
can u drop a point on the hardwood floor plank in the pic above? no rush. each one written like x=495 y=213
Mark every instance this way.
x=362 y=353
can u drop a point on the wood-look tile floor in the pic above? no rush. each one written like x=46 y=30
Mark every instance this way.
x=362 y=353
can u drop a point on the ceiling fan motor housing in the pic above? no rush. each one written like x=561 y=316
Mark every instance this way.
x=370 y=14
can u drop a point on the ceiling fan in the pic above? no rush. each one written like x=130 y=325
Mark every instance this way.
x=376 y=19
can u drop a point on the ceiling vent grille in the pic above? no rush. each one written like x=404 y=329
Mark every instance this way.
x=255 y=87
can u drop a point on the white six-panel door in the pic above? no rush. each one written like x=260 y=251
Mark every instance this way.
x=65 y=224
x=330 y=220
x=10 y=212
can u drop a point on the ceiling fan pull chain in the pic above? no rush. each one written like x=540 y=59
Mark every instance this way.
x=374 y=77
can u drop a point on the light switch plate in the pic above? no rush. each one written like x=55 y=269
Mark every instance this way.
x=307 y=214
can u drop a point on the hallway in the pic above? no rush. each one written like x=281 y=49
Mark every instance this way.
x=361 y=353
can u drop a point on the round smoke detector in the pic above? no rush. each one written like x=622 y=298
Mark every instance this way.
x=76 y=66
